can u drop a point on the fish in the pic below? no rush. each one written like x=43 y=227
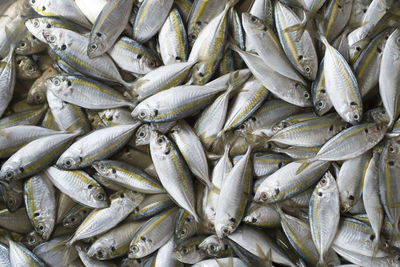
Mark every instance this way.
x=173 y=172
x=77 y=155
x=79 y=186
x=324 y=214
x=121 y=204
x=172 y=39
x=28 y=160
x=146 y=26
x=108 y=26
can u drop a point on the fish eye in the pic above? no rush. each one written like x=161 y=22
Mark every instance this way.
x=30 y=68
x=160 y=140
x=356 y=117
x=41 y=227
x=142 y=114
x=212 y=247
x=10 y=202
x=48 y=26
x=63 y=47
x=254 y=220
x=307 y=69
x=135 y=248
x=320 y=103
x=264 y=196
x=68 y=163
x=43 y=8
x=306 y=96
x=52 y=39
x=99 y=253
x=100 y=196
x=10 y=174
x=93 y=46
x=98 y=34
x=33 y=1
x=22 y=44
x=188 y=219
x=185 y=250
x=38 y=97
x=142 y=134
x=36 y=23
x=253 y=18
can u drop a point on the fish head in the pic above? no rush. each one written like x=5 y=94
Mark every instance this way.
x=102 y=249
x=143 y=135
x=189 y=253
x=36 y=27
x=352 y=113
x=27 y=68
x=97 y=195
x=310 y=68
x=159 y=143
x=32 y=239
x=264 y=193
x=187 y=229
x=322 y=105
x=43 y=226
x=139 y=248
x=104 y=170
x=379 y=115
x=144 y=112
x=224 y=229
x=347 y=200
x=375 y=131
x=299 y=92
x=393 y=147
x=251 y=22
x=68 y=161
x=10 y=171
x=212 y=245
x=59 y=85
x=36 y=97
x=24 y=45
x=97 y=44
x=326 y=184
x=57 y=38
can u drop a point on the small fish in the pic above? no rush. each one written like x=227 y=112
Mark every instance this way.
x=153 y=234
x=146 y=25
x=172 y=39
x=128 y=176
x=95 y=146
x=79 y=186
x=173 y=172
x=101 y=220
x=324 y=214
x=108 y=26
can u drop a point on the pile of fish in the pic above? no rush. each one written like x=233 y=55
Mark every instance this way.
x=206 y=133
